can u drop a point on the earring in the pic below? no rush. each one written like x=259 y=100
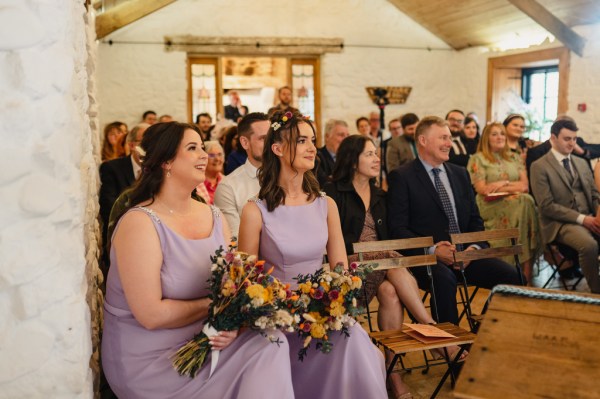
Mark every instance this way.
x=169 y=173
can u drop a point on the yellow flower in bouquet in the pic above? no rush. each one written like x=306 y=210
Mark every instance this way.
x=243 y=295
x=336 y=309
x=317 y=330
x=326 y=301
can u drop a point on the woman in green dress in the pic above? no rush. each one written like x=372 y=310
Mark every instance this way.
x=500 y=179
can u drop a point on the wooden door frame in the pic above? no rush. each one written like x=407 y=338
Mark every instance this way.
x=314 y=60
x=531 y=59
x=216 y=61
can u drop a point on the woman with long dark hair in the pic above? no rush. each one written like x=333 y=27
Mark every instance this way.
x=363 y=214
x=290 y=225
x=156 y=293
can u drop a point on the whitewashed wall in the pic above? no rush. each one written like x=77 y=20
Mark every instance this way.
x=136 y=77
x=47 y=187
x=584 y=84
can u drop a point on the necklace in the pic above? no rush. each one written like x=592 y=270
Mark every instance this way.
x=171 y=211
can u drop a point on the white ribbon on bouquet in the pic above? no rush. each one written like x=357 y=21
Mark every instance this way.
x=210 y=331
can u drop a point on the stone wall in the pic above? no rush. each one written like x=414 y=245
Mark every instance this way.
x=48 y=186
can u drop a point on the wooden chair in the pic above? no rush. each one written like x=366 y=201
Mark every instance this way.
x=397 y=342
x=512 y=249
x=361 y=248
x=568 y=254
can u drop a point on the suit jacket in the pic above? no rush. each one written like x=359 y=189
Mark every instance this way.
x=535 y=153
x=415 y=208
x=325 y=167
x=398 y=152
x=115 y=176
x=456 y=157
x=554 y=195
x=233 y=113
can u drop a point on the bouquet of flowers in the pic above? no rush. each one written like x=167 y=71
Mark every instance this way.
x=243 y=295
x=326 y=301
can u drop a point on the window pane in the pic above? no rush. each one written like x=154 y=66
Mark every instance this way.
x=204 y=98
x=303 y=89
x=552 y=84
x=537 y=85
x=551 y=108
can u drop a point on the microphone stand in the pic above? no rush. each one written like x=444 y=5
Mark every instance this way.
x=381 y=100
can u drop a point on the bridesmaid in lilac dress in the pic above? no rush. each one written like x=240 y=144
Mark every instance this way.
x=290 y=226
x=156 y=289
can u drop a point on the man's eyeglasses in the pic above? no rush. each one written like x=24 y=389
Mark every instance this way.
x=459 y=121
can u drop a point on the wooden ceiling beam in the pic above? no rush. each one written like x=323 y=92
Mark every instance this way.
x=552 y=24
x=126 y=13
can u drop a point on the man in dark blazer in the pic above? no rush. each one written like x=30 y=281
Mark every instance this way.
x=568 y=200
x=432 y=197
x=117 y=175
x=335 y=132
x=235 y=110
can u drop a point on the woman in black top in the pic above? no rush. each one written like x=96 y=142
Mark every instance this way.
x=362 y=209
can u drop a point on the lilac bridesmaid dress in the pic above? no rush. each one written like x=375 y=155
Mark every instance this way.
x=293 y=240
x=136 y=360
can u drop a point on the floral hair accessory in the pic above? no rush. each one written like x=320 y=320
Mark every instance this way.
x=284 y=119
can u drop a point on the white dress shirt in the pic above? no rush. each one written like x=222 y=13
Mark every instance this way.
x=234 y=191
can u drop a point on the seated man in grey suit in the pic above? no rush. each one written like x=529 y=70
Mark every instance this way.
x=402 y=149
x=563 y=187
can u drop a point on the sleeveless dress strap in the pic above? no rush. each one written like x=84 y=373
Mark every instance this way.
x=149 y=212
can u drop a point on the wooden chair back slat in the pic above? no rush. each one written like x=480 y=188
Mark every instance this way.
x=403 y=262
x=488 y=235
x=486 y=253
x=393 y=245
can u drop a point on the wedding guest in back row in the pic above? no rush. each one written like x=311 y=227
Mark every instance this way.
x=235 y=110
x=362 y=126
x=402 y=149
x=214 y=168
x=112 y=146
x=290 y=225
x=285 y=101
x=149 y=117
x=471 y=135
x=335 y=131
x=156 y=297
x=116 y=176
x=363 y=214
x=204 y=123
x=433 y=197
x=458 y=152
x=495 y=169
